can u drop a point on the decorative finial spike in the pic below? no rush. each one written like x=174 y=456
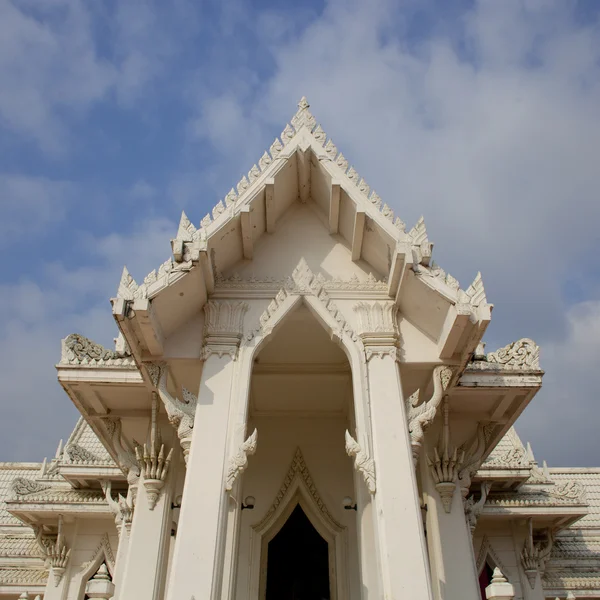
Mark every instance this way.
x=303 y=104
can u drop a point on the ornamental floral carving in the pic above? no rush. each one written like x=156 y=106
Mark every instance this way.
x=363 y=463
x=421 y=415
x=522 y=355
x=79 y=454
x=79 y=350
x=238 y=463
x=223 y=328
x=22 y=486
x=572 y=490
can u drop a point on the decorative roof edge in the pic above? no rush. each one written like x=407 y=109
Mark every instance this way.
x=76 y=349
x=303 y=120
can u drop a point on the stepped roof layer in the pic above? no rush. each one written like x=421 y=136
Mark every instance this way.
x=20 y=563
x=574 y=563
x=44 y=484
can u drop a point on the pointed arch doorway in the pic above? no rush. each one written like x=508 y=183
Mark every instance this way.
x=299 y=517
x=298 y=561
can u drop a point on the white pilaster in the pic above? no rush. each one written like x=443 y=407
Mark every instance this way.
x=453 y=567
x=144 y=574
x=124 y=529
x=198 y=556
x=401 y=543
x=195 y=569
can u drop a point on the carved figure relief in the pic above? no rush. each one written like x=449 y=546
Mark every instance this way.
x=238 y=463
x=363 y=463
x=181 y=413
x=421 y=415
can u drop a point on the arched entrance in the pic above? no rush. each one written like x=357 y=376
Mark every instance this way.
x=298 y=561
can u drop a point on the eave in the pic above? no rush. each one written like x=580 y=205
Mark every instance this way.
x=544 y=515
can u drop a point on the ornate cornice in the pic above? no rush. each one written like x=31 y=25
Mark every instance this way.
x=236 y=282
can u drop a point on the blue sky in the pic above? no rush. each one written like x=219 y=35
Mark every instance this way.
x=482 y=116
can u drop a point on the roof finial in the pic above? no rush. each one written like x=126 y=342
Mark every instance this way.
x=302 y=118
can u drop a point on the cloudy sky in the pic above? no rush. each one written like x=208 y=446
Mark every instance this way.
x=484 y=117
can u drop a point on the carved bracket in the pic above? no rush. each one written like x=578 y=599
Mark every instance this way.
x=54 y=551
x=122 y=508
x=126 y=459
x=181 y=413
x=473 y=509
x=445 y=467
x=238 y=463
x=363 y=463
x=152 y=462
x=421 y=415
x=534 y=554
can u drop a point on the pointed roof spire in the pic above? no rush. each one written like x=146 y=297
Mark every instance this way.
x=186 y=230
x=127 y=286
x=303 y=117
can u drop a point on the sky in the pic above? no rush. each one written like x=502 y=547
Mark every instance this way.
x=482 y=116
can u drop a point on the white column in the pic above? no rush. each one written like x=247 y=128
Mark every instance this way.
x=401 y=543
x=454 y=572
x=198 y=557
x=124 y=529
x=195 y=570
x=144 y=575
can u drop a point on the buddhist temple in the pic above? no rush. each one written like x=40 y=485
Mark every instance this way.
x=299 y=405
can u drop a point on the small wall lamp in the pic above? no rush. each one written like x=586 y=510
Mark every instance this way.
x=347 y=503
x=248 y=502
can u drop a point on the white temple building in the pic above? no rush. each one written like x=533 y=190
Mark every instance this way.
x=298 y=407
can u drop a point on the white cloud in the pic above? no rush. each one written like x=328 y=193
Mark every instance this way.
x=35 y=316
x=142 y=191
x=488 y=126
x=30 y=203
x=61 y=58
x=562 y=421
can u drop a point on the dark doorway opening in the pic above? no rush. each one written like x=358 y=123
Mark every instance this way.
x=485 y=578
x=298 y=562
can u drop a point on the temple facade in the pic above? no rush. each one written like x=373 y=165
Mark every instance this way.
x=298 y=406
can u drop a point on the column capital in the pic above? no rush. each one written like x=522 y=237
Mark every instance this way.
x=377 y=328
x=223 y=327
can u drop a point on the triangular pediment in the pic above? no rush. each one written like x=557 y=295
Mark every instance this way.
x=302 y=199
